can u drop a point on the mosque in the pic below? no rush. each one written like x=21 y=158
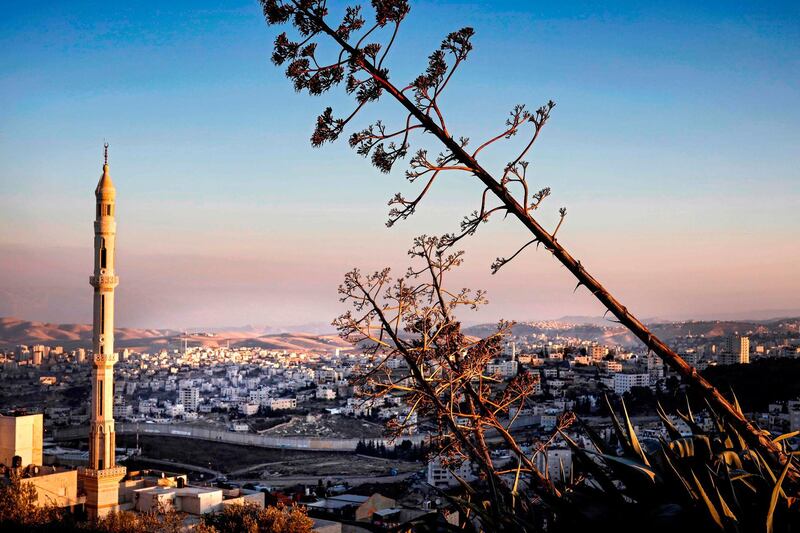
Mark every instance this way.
x=103 y=486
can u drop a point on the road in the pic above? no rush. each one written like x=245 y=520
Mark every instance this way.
x=312 y=480
x=176 y=465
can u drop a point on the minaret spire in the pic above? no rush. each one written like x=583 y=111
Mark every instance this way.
x=101 y=479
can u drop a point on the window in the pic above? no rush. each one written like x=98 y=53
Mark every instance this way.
x=100 y=251
x=102 y=313
x=100 y=397
x=103 y=257
x=108 y=209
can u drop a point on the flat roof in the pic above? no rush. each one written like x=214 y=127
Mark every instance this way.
x=354 y=498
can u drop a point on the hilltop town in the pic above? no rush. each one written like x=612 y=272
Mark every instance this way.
x=303 y=409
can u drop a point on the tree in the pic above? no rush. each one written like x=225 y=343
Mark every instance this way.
x=163 y=519
x=413 y=318
x=19 y=506
x=250 y=518
x=640 y=399
x=707 y=481
x=359 y=63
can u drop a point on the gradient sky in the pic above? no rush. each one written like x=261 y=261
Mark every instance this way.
x=674 y=146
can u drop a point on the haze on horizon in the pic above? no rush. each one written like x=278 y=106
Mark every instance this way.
x=673 y=146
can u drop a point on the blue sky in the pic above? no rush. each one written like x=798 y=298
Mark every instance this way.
x=673 y=145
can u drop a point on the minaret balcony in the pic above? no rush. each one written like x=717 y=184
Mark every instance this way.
x=106 y=359
x=106 y=280
x=113 y=472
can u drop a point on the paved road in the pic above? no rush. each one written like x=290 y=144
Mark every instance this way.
x=254 y=467
x=177 y=465
x=312 y=480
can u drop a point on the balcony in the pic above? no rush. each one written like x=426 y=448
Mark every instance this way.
x=113 y=472
x=105 y=280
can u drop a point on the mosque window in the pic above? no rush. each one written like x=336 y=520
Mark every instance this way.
x=102 y=313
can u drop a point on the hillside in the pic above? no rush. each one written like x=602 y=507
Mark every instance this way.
x=14 y=331
x=614 y=334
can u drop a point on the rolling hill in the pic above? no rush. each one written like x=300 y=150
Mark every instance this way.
x=15 y=331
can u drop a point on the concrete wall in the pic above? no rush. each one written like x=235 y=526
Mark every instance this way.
x=253 y=498
x=244 y=439
x=21 y=435
x=59 y=488
x=195 y=502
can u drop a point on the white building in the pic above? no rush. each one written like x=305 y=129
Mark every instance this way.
x=611 y=366
x=554 y=462
x=506 y=369
x=442 y=477
x=326 y=393
x=655 y=368
x=624 y=382
x=736 y=350
x=596 y=353
x=174 y=410
x=279 y=404
x=248 y=409
x=548 y=421
x=189 y=397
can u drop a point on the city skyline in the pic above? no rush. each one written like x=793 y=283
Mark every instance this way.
x=269 y=340
x=220 y=184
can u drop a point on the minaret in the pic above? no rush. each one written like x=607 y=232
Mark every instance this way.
x=101 y=478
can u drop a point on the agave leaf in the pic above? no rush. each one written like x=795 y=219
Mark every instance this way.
x=739 y=444
x=689 y=419
x=717 y=420
x=698 y=446
x=597 y=441
x=689 y=409
x=632 y=465
x=776 y=492
x=740 y=474
x=786 y=436
x=736 y=403
x=712 y=510
x=765 y=466
x=623 y=439
x=666 y=453
x=672 y=431
x=731 y=458
x=694 y=426
x=772 y=475
x=632 y=436
x=731 y=488
x=746 y=483
x=726 y=510
x=582 y=458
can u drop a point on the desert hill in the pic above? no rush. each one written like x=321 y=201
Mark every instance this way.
x=15 y=331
